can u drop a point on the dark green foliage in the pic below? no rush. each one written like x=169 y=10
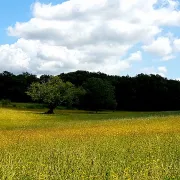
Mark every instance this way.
x=44 y=78
x=54 y=92
x=139 y=93
x=5 y=102
x=99 y=94
x=14 y=87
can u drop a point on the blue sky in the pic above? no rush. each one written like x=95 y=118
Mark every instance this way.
x=113 y=37
x=13 y=11
x=10 y=12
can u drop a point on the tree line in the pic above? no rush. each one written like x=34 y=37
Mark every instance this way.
x=96 y=91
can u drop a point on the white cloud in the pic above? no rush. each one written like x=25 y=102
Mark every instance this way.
x=168 y=57
x=178 y=79
x=13 y=59
x=137 y=56
x=37 y=57
x=160 y=47
x=55 y=59
x=162 y=70
x=91 y=35
x=176 y=44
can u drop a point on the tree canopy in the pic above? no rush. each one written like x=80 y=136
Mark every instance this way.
x=99 y=94
x=54 y=92
x=139 y=93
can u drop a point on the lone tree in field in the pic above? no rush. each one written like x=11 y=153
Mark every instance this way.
x=54 y=92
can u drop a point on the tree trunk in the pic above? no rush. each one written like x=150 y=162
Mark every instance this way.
x=50 y=111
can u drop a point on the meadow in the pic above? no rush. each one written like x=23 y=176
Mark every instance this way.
x=77 y=145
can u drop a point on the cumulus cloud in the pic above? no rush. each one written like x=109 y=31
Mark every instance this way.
x=90 y=35
x=160 y=47
x=176 y=44
x=137 y=56
x=162 y=70
x=13 y=59
x=35 y=56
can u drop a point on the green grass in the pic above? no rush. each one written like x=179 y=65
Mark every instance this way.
x=85 y=145
x=20 y=105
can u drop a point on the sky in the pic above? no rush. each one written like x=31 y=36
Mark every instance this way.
x=119 y=37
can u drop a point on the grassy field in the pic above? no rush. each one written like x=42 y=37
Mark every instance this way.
x=84 y=145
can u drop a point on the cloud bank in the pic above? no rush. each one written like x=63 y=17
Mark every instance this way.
x=92 y=35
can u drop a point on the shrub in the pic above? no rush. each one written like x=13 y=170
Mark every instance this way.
x=5 y=102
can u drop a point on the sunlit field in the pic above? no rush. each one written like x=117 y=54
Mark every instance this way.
x=85 y=145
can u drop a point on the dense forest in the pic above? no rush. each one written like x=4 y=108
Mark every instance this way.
x=140 y=93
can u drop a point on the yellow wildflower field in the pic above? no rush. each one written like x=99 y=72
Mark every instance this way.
x=83 y=145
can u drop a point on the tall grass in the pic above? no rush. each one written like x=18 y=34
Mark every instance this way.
x=81 y=145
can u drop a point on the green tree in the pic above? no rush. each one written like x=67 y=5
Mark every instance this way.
x=54 y=92
x=100 y=94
